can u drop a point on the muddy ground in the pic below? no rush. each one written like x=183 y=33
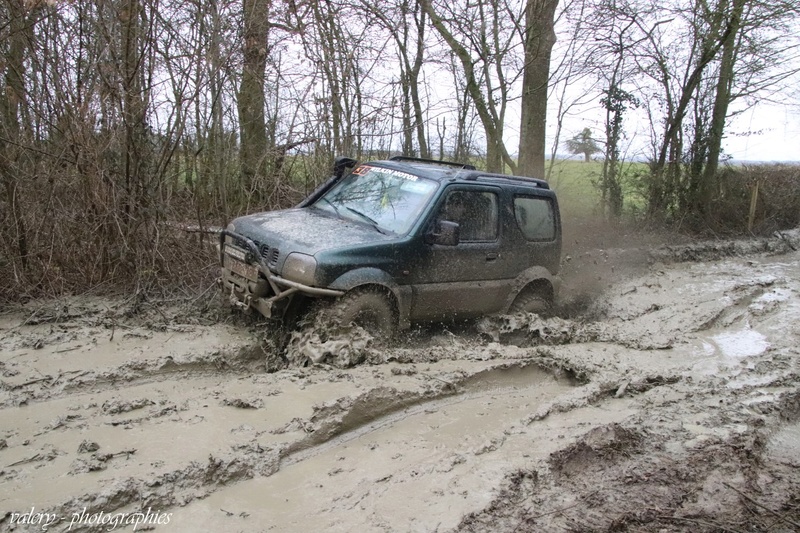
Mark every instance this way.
x=664 y=396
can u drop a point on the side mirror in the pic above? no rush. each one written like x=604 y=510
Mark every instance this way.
x=341 y=163
x=446 y=233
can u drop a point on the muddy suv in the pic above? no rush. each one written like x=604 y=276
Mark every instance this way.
x=398 y=241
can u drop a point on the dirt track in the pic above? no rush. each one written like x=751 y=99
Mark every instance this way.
x=671 y=403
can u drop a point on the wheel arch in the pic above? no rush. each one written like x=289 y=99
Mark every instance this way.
x=370 y=277
x=536 y=279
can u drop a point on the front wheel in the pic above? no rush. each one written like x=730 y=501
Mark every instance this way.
x=370 y=309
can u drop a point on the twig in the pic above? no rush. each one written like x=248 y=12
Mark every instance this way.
x=69 y=349
x=37 y=457
x=191 y=228
x=700 y=522
x=211 y=286
x=567 y=508
x=31 y=382
x=774 y=513
x=442 y=380
x=123 y=452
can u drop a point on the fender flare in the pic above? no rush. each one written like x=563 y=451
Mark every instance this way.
x=533 y=274
x=375 y=276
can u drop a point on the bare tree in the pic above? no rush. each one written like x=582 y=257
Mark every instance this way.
x=16 y=34
x=484 y=67
x=407 y=22
x=707 y=62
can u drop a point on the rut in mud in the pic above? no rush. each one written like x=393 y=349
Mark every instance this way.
x=668 y=402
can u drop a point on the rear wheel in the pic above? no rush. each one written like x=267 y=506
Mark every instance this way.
x=529 y=301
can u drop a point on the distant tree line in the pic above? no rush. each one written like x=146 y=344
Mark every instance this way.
x=117 y=116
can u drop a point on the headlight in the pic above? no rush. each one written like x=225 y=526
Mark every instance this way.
x=232 y=229
x=300 y=268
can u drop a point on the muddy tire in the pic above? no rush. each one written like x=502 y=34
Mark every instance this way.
x=368 y=308
x=531 y=302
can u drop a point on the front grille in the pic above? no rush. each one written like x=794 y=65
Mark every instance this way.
x=268 y=253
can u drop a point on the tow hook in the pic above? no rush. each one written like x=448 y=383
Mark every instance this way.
x=236 y=302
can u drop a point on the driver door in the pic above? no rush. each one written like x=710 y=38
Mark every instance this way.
x=465 y=280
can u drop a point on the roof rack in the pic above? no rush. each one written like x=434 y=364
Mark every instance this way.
x=542 y=184
x=432 y=161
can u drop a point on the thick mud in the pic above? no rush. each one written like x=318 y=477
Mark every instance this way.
x=663 y=396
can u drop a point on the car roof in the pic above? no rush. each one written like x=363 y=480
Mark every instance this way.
x=446 y=170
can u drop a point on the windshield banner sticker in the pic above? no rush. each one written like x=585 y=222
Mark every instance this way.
x=363 y=170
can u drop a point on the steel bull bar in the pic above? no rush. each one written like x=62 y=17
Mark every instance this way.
x=242 y=296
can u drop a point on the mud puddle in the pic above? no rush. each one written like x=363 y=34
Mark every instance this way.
x=784 y=445
x=500 y=394
x=424 y=466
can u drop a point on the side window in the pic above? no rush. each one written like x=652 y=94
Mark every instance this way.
x=475 y=212
x=535 y=218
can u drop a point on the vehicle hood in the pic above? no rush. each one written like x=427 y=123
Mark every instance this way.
x=306 y=230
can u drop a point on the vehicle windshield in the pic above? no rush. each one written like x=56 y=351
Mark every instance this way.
x=390 y=200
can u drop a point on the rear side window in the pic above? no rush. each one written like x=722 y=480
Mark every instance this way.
x=535 y=217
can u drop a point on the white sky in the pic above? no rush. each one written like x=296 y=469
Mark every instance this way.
x=767 y=132
x=776 y=134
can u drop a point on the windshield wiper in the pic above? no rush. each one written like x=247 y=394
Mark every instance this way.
x=331 y=204
x=367 y=218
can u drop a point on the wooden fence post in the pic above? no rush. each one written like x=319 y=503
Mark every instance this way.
x=753 y=202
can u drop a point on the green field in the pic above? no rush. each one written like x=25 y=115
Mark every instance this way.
x=576 y=183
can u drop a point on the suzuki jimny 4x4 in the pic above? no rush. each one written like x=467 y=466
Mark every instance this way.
x=398 y=241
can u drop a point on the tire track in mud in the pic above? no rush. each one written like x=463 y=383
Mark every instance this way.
x=381 y=408
x=716 y=450
x=333 y=423
x=475 y=412
x=346 y=420
x=42 y=369
x=664 y=470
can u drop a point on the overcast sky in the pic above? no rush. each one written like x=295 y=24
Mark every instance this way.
x=775 y=134
x=767 y=132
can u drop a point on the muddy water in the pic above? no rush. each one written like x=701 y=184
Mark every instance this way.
x=415 y=470
x=174 y=427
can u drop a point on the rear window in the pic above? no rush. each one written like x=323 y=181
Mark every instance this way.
x=535 y=217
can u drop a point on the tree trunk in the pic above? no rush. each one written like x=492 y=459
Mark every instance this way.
x=134 y=111
x=251 y=99
x=11 y=98
x=721 y=101
x=539 y=40
x=414 y=72
x=496 y=152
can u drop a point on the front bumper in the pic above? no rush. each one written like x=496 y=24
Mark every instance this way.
x=250 y=282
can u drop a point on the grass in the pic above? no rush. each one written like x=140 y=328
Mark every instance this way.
x=576 y=183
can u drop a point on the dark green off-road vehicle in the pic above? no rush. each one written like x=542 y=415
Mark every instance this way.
x=398 y=241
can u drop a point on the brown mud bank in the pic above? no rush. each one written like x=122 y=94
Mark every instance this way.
x=665 y=397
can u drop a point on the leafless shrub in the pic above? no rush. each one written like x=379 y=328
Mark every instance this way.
x=777 y=199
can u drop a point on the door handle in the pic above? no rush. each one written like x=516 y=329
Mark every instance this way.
x=491 y=256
